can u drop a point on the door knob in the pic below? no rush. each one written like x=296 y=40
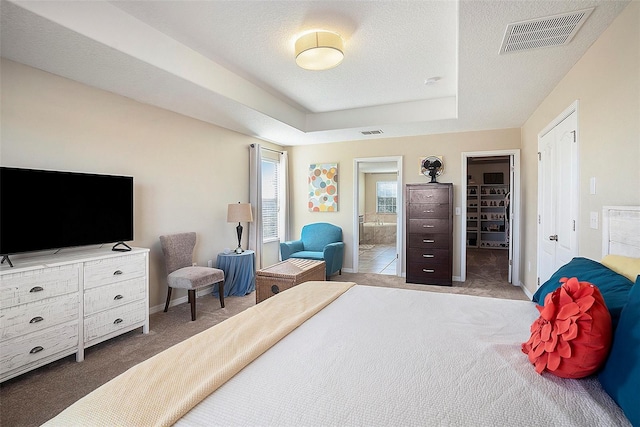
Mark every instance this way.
x=554 y=237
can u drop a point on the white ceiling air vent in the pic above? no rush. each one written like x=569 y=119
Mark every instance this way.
x=372 y=132
x=554 y=30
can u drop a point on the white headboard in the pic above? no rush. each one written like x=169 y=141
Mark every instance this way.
x=621 y=230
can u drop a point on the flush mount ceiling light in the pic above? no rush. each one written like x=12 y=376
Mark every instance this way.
x=319 y=50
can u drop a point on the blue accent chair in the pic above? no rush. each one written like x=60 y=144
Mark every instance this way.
x=320 y=241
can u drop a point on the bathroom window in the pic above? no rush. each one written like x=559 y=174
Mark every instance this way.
x=386 y=195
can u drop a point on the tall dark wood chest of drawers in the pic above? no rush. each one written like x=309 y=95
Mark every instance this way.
x=429 y=209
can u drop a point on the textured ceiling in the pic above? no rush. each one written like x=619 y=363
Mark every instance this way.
x=231 y=62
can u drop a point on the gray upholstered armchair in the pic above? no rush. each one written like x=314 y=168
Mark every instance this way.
x=320 y=241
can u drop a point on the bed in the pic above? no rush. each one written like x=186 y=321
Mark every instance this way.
x=333 y=353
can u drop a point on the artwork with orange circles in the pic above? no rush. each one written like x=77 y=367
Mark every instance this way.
x=323 y=187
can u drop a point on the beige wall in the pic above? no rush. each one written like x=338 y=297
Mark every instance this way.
x=478 y=170
x=361 y=193
x=185 y=171
x=606 y=83
x=182 y=166
x=450 y=146
x=370 y=190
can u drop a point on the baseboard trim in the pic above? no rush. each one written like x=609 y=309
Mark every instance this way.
x=200 y=292
x=526 y=291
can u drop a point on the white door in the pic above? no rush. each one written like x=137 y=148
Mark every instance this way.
x=546 y=206
x=557 y=197
x=509 y=213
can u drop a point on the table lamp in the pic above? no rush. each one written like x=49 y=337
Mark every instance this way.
x=239 y=212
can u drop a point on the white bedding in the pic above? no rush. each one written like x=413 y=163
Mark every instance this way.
x=379 y=356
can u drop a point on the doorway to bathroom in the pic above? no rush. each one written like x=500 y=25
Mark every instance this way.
x=378 y=215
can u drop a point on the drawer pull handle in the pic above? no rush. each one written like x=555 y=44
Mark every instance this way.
x=37 y=349
x=36 y=289
x=428 y=241
x=428 y=271
x=117 y=272
x=428 y=226
x=36 y=319
x=118 y=320
x=275 y=289
x=428 y=256
x=117 y=297
x=428 y=211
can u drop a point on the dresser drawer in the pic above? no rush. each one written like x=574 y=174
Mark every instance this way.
x=429 y=256
x=435 y=194
x=422 y=210
x=114 y=320
x=31 y=348
x=429 y=274
x=434 y=225
x=112 y=270
x=110 y=296
x=429 y=240
x=40 y=284
x=39 y=315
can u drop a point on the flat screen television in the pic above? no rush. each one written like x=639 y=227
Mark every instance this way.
x=43 y=209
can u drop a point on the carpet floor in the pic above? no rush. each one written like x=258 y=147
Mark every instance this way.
x=33 y=398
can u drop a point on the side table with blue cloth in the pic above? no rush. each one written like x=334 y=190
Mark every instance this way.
x=239 y=273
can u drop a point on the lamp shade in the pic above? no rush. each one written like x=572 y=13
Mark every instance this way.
x=319 y=50
x=239 y=212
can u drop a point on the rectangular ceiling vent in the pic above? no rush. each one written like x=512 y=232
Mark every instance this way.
x=371 y=132
x=554 y=30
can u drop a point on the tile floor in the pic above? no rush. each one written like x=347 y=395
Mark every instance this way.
x=379 y=259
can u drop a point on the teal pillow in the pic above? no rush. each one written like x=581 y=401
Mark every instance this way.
x=620 y=376
x=614 y=287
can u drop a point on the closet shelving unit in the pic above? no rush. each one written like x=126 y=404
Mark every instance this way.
x=492 y=213
x=473 y=215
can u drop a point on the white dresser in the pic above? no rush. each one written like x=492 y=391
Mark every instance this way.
x=52 y=306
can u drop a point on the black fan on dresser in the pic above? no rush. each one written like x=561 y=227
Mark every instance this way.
x=432 y=166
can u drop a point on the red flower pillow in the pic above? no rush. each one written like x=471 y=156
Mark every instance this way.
x=572 y=336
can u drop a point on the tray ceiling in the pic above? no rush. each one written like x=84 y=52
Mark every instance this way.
x=231 y=63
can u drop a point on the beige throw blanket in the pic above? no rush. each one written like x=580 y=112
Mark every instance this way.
x=158 y=391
